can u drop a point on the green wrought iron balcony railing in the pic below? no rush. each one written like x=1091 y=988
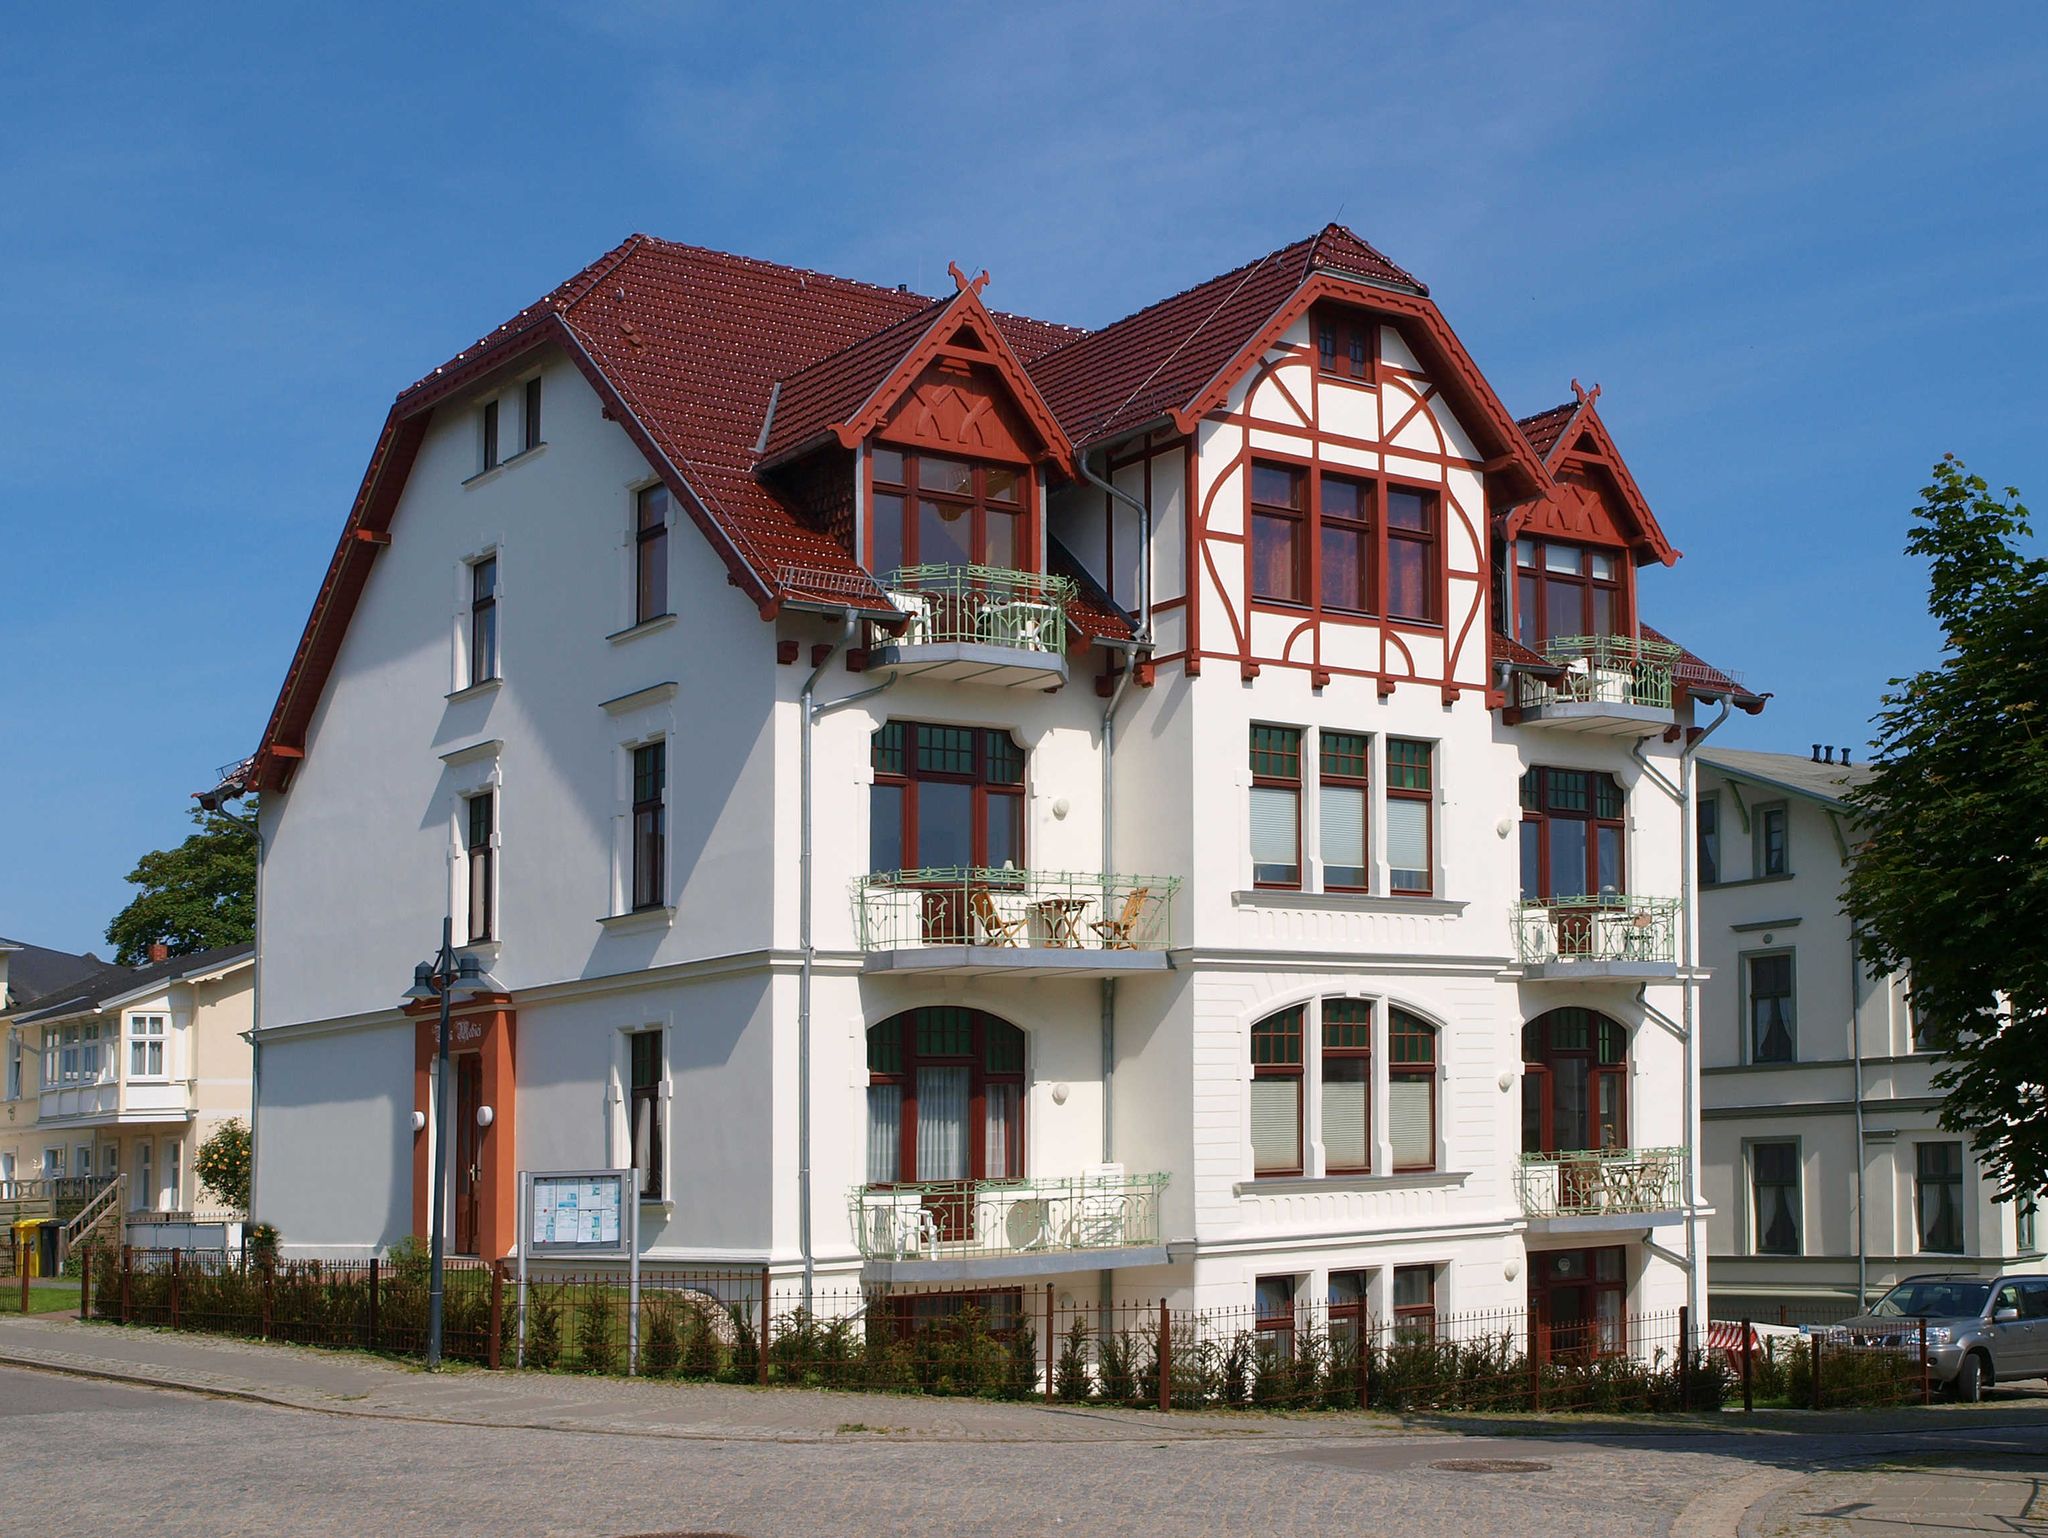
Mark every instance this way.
x=1594 y=1181
x=1606 y=927
x=1604 y=670
x=1009 y=909
x=992 y=1219
x=980 y=605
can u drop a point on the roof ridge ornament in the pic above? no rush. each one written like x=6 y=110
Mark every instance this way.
x=965 y=284
x=1586 y=397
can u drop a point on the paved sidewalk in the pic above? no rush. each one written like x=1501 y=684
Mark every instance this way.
x=1931 y=1493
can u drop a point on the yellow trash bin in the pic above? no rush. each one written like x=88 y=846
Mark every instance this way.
x=28 y=1254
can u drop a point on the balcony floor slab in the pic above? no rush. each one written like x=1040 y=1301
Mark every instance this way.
x=1048 y=1262
x=1011 y=961
x=973 y=662
x=1600 y=718
x=1593 y=970
x=1604 y=1222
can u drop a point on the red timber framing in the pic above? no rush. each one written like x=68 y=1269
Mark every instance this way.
x=482 y=1044
x=1593 y=499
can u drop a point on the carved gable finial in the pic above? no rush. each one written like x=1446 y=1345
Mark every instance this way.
x=963 y=283
x=1586 y=397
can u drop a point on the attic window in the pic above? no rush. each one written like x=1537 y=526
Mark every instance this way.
x=1345 y=344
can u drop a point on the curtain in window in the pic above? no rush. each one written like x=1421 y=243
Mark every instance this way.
x=1274 y=855
x=1002 y=1148
x=1346 y=1084
x=1408 y=842
x=1343 y=835
x=942 y=1095
x=1276 y=1124
x=1411 y=1121
x=885 y=1127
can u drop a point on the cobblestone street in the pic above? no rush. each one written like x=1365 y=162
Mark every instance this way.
x=372 y=1447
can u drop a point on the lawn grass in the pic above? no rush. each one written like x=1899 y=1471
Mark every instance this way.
x=55 y=1298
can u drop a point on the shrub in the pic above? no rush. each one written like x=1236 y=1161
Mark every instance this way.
x=597 y=1346
x=1119 y=1368
x=661 y=1337
x=1070 y=1383
x=222 y=1163
x=543 y=1325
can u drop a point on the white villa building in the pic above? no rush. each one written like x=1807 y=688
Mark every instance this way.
x=1828 y=1172
x=1187 y=809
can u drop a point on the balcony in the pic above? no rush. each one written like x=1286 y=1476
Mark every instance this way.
x=977 y=624
x=1608 y=685
x=51 y=1200
x=1607 y=938
x=986 y=922
x=959 y=1230
x=1594 y=1190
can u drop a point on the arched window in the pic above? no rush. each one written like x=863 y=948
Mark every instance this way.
x=1411 y=1090
x=945 y=1098
x=1574 y=1082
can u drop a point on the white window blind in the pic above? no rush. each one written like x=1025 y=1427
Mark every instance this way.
x=1408 y=842
x=1275 y=856
x=942 y=1123
x=1346 y=1084
x=885 y=1125
x=1000 y=1145
x=1410 y=1122
x=1276 y=1124
x=1343 y=835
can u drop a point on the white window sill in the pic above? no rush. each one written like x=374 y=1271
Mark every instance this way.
x=645 y=627
x=1345 y=902
x=1276 y=1185
x=639 y=918
x=503 y=465
x=474 y=691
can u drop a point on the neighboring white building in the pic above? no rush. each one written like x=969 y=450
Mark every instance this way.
x=1122 y=889
x=1826 y=1166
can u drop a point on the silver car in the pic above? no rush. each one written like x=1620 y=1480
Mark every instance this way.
x=1980 y=1330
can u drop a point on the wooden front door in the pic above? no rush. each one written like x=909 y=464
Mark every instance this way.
x=468 y=1146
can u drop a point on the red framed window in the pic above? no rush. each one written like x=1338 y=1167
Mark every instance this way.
x=650 y=554
x=483 y=620
x=1414 y=1302
x=1276 y=806
x=1350 y=1303
x=1411 y=817
x=945 y=1100
x=1341 y=799
x=1574 y=1082
x=1414 y=520
x=1345 y=540
x=1347 y=344
x=1347 y=1086
x=1279 y=532
x=922 y=1314
x=1411 y=1091
x=481 y=861
x=945 y=798
x=1567 y=590
x=1276 y=1093
x=645 y=1050
x=1572 y=842
x=1273 y=1309
x=930 y=510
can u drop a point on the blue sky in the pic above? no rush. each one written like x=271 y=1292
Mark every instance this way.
x=1800 y=247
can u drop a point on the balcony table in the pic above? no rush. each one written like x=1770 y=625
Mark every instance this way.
x=1062 y=917
x=1020 y=622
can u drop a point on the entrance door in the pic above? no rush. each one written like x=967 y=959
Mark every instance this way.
x=469 y=1094
x=1576 y=1301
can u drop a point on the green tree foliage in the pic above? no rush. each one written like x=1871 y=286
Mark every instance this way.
x=197 y=896
x=1952 y=883
x=223 y=1163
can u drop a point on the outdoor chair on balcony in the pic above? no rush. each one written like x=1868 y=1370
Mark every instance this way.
x=1120 y=933
x=902 y=1226
x=919 y=607
x=995 y=929
x=1022 y=622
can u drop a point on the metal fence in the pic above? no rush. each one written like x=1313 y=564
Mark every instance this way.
x=1607 y=926
x=970 y=1219
x=1597 y=1180
x=985 y=605
x=1006 y=909
x=1011 y=1342
x=1604 y=670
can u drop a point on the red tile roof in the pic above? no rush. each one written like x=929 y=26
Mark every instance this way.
x=1702 y=677
x=1545 y=428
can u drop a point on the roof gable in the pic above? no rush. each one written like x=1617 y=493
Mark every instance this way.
x=1594 y=498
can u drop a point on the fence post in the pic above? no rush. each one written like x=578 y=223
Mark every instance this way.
x=1048 y=1342
x=1165 y=1356
x=1748 y=1366
x=374 y=1290
x=761 y=1354
x=497 y=1314
x=22 y=1267
x=1684 y=1356
x=1816 y=1370
x=1926 y=1381
x=269 y=1302
x=1784 y=1315
x=127 y=1271
x=85 y=1284
x=1534 y=1330
x=176 y=1257
x=1362 y=1367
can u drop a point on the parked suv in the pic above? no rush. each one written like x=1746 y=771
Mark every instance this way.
x=1980 y=1330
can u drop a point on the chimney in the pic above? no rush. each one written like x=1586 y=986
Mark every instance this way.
x=1845 y=756
x=1816 y=752
x=158 y=951
x=1827 y=755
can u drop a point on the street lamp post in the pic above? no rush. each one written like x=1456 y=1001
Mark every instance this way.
x=445 y=978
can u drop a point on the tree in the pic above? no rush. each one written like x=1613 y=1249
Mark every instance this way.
x=223 y=1163
x=1951 y=884
x=197 y=896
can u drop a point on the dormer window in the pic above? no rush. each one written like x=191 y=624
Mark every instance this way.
x=933 y=510
x=1567 y=590
x=1344 y=344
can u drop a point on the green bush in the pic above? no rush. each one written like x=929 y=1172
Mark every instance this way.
x=1070 y=1384
x=661 y=1336
x=1119 y=1368
x=543 y=1325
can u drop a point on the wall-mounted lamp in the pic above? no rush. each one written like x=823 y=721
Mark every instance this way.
x=485 y=1116
x=1061 y=807
x=419 y=1121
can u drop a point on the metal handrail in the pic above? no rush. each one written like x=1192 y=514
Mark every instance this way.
x=1595 y=1180
x=1605 y=926
x=989 y=605
x=970 y=1219
x=1005 y=908
x=1605 y=670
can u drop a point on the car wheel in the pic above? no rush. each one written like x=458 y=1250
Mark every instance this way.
x=1968 y=1387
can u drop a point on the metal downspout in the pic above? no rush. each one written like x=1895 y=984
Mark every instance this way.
x=1856 y=1056
x=1144 y=549
x=806 y=945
